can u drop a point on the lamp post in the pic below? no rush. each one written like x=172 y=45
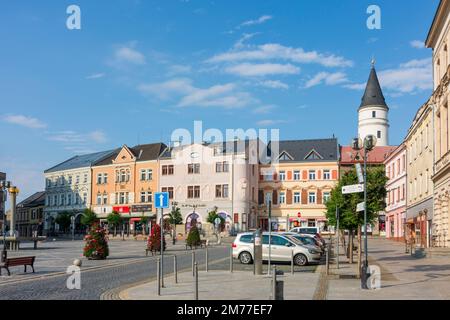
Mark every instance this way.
x=4 y=186
x=369 y=143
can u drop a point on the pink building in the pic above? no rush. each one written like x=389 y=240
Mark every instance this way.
x=396 y=193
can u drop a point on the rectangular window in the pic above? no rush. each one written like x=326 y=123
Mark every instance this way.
x=297 y=197
x=84 y=198
x=85 y=178
x=190 y=190
x=218 y=191
x=149 y=174
x=194 y=168
x=99 y=199
x=122 y=198
x=326 y=197
x=312 y=197
x=55 y=200
x=105 y=178
x=326 y=175
x=297 y=175
x=77 y=179
x=282 y=198
x=69 y=199
x=312 y=174
x=165 y=170
x=105 y=199
x=143 y=196
x=62 y=200
x=169 y=190
x=282 y=175
x=225 y=191
x=70 y=179
x=219 y=166
x=374 y=114
x=99 y=178
x=197 y=192
x=143 y=174
x=222 y=191
x=226 y=166
x=379 y=134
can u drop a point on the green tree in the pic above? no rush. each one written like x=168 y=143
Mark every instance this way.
x=349 y=218
x=213 y=215
x=175 y=217
x=88 y=218
x=114 y=219
x=193 y=238
x=63 y=220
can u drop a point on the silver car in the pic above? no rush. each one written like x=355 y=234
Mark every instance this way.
x=282 y=249
x=306 y=240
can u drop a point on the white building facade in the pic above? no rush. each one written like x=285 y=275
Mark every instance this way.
x=201 y=178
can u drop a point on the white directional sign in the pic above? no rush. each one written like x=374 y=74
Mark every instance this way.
x=359 y=173
x=356 y=188
x=161 y=200
x=360 y=207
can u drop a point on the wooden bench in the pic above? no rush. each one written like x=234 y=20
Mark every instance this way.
x=20 y=261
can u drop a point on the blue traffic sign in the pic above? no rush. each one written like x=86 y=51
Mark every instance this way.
x=161 y=200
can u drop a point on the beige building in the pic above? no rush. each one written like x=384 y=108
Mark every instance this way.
x=438 y=39
x=419 y=201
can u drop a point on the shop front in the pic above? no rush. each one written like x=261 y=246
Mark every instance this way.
x=419 y=221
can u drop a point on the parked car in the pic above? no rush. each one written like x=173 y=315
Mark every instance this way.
x=307 y=240
x=281 y=249
x=309 y=230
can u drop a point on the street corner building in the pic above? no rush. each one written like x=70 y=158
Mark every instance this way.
x=30 y=215
x=438 y=39
x=125 y=182
x=205 y=177
x=297 y=182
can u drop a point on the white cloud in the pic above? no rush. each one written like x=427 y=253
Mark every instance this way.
x=327 y=78
x=24 y=121
x=97 y=136
x=225 y=95
x=273 y=84
x=129 y=55
x=178 y=69
x=95 y=76
x=264 y=109
x=418 y=44
x=410 y=77
x=260 y=20
x=245 y=37
x=273 y=51
x=168 y=89
x=269 y=122
x=263 y=69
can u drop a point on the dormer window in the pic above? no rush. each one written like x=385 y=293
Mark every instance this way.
x=284 y=156
x=313 y=155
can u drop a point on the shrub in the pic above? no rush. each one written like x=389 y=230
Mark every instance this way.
x=96 y=243
x=154 y=239
x=193 y=239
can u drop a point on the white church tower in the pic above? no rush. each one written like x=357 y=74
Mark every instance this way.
x=373 y=111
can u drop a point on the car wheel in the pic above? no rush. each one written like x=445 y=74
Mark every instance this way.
x=300 y=260
x=245 y=257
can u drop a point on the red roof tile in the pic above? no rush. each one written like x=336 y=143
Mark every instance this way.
x=376 y=156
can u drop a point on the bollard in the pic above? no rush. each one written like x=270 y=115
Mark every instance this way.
x=175 y=269
x=206 y=258
x=196 y=281
x=158 y=276
x=274 y=282
x=327 y=259
x=292 y=262
x=231 y=260
x=193 y=263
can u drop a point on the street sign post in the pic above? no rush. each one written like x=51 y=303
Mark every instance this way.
x=359 y=173
x=360 y=207
x=161 y=202
x=356 y=188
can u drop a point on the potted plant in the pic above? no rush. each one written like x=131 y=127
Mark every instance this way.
x=96 y=247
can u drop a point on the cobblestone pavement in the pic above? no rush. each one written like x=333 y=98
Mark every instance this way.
x=127 y=264
x=402 y=276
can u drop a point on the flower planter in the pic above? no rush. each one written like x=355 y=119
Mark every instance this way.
x=96 y=258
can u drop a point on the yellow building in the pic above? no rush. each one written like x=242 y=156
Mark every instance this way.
x=125 y=182
x=439 y=39
x=419 y=200
x=298 y=182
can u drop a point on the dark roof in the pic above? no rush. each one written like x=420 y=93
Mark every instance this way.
x=79 y=161
x=37 y=199
x=143 y=152
x=373 y=96
x=300 y=150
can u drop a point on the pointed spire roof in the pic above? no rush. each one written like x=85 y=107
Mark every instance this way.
x=373 y=96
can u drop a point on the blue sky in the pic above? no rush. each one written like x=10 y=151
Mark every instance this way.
x=139 y=69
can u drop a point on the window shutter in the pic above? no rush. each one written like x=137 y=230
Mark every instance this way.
x=319 y=196
x=289 y=175
x=274 y=197
x=289 y=197
x=304 y=197
x=334 y=175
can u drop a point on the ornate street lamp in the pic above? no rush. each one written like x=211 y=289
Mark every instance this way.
x=369 y=143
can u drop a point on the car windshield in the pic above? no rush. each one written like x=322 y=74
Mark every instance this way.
x=295 y=240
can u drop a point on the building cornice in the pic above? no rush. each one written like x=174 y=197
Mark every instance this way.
x=438 y=21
